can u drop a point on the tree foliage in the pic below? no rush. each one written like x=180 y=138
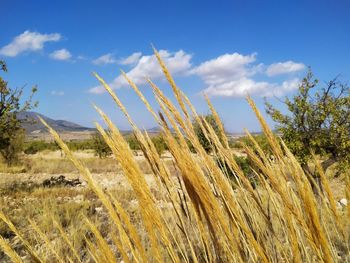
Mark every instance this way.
x=318 y=121
x=159 y=144
x=245 y=140
x=209 y=118
x=99 y=145
x=133 y=142
x=11 y=133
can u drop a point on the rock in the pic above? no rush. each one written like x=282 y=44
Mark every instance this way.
x=343 y=202
x=67 y=199
x=60 y=181
x=99 y=209
x=78 y=198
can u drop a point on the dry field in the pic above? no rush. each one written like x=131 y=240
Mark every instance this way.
x=24 y=196
x=67 y=136
x=187 y=208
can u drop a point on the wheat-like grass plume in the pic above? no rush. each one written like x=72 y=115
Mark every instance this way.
x=8 y=250
x=202 y=207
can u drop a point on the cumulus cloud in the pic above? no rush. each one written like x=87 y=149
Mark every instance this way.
x=57 y=93
x=147 y=67
x=234 y=75
x=132 y=59
x=284 y=68
x=61 y=54
x=225 y=68
x=228 y=75
x=28 y=41
x=246 y=86
x=105 y=59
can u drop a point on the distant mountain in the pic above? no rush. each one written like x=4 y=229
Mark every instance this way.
x=156 y=129
x=32 y=124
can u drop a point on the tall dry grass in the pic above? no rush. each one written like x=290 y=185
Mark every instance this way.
x=203 y=211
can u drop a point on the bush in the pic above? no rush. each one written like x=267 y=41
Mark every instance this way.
x=160 y=144
x=14 y=145
x=244 y=163
x=34 y=147
x=81 y=145
x=100 y=147
x=133 y=143
x=201 y=134
x=260 y=139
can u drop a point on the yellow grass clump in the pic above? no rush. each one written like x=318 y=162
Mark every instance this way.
x=205 y=211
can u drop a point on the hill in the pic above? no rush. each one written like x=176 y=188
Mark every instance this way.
x=32 y=124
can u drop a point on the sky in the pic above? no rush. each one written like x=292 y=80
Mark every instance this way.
x=225 y=49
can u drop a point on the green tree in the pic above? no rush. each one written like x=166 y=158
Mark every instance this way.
x=243 y=162
x=259 y=138
x=11 y=133
x=101 y=148
x=133 y=142
x=318 y=122
x=159 y=144
x=200 y=133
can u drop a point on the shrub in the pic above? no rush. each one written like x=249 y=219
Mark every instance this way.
x=209 y=118
x=81 y=145
x=34 y=147
x=133 y=143
x=14 y=145
x=101 y=148
x=159 y=144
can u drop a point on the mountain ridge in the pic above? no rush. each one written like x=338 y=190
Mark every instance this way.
x=31 y=123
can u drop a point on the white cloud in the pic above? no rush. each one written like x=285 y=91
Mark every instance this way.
x=225 y=68
x=105 y=59
x=57 y=93
x=147 y=67
x=132 y=59
x=80 y=57
x=233 y=75
x=284 y=68
x=28 y=41
x=246 y=86
x=61 y=54
x=228 y=75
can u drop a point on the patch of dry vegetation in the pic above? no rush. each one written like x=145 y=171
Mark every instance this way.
x=196 y=213
x=53 y=162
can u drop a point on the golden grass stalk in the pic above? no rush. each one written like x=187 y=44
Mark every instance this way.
x=327 y=189
x=171 y=81
x=88 y=177
x=67 y=240
x=274 y=143
x=43 y=236
x=307 y=196
x=102 y=244
x=194 y=193
x=26 y=244
x=135 y=177
x=218 y=121
x=9 y=251
x=347 y=192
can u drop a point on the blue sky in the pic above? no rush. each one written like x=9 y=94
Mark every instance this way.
x=225 y=48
